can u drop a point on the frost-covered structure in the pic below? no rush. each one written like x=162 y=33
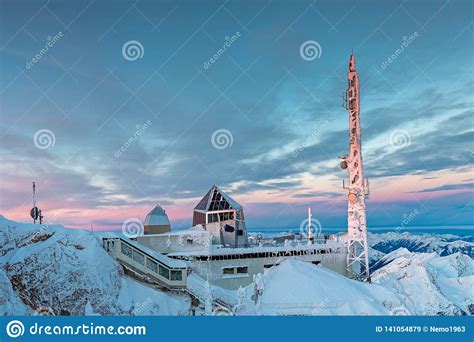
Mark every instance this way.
x=223 y=217
x=54 y=271
x=217 y=248
x=156 y=221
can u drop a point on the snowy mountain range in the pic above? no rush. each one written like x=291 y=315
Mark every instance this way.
x=49 y=269
x=442 y=244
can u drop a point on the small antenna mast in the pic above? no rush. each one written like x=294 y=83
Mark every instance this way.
x=34 y=212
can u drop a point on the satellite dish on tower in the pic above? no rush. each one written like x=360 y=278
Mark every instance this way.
x=34 y=213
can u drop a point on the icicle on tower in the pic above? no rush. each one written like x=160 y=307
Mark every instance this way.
x=357 y=254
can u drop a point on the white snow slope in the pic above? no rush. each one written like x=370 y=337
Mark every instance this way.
x=68 y=272
x=423 y=284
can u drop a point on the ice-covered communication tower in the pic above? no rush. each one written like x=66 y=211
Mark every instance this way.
x=357 y=256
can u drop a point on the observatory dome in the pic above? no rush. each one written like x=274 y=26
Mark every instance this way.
x=157 y=222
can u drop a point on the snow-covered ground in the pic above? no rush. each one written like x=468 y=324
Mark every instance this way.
x=429 y=284
x=67 y=272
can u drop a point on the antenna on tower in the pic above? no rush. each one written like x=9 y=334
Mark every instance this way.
x=310 y=232
x=34 y=212
x=358 y=187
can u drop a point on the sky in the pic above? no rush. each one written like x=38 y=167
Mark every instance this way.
x=114 y=107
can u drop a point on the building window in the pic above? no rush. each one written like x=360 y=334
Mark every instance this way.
x=228 y=270
x=243 y=270
x=164 y=272
x=212 y=218
x=139 y=257
x=240 y=232
x=176 y=275
x=229 y=229
x=127 y=250
x=189 y=241
x=152 y=265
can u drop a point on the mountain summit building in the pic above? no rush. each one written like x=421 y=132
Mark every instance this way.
x=223 y=217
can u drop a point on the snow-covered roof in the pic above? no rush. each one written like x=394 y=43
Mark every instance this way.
x=157 y=217
x=215 y=198
x=219 y=250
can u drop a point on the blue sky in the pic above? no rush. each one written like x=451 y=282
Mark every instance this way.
x=283 y=113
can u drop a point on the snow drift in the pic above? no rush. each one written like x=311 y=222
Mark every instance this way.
x=67 y=271
x=55 y=270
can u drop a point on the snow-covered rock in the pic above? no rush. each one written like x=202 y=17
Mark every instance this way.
x=49 y=269
x=68 y=272
x=429 y=284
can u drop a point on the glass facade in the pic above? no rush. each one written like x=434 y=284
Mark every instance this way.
x=152 y=265
x=164 y=272
x=176 y=275
x=139 y=257
x=127 y=250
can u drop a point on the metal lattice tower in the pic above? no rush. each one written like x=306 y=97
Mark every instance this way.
x=357 y=249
